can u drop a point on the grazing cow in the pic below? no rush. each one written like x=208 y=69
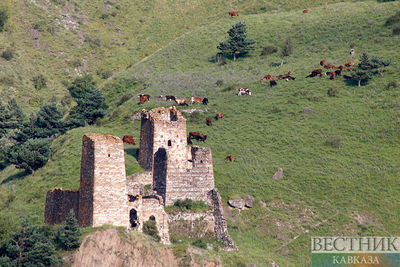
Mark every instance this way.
x=209 y=121
x=272 y=82
x=332 y=74
x=266 y=77
x=352 y=52
x=279 y=77
x=322 y=62
x=189 y=141
x=181 y=102
x=170 y=98
x=143 y=98
x=205 y=101
x=338 y=72
x=230 y=157
x=196 y=100
x=198 y=136
x=287 y=77
x=341 y=68
x=349 y=64
x=219 y=116
x=305 y=11
x=128 y=139
x=233 y=14
x=315 y=73
x=244 y=91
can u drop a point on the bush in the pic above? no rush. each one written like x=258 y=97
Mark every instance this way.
x=332 y=92
x=392 y=84
x=200 y=243
x=39 y=82
x=150 y=228
x=333 y=141
x=7 y=54
x=396 y=30
x=69 y=234
x=393 y=19
x=3 y=18
x=268 y=50
x=104 y=74
x=189 y=205
x=219 y=83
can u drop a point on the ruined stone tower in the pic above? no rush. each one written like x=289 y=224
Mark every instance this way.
x=102 y=194
x=179 y=171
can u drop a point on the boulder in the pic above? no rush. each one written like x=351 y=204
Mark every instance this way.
x=307 y=111
x=248 y=201
x=278 y=174
x=236 y=203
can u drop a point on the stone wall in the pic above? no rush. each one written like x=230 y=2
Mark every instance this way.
x=58 y=204
x=193 y=225
x=149 y=206
x=103 y=197
x=221 y=228
x=136 y=182
x=193 y=183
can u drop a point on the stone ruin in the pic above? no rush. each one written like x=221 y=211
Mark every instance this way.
x=173 y=171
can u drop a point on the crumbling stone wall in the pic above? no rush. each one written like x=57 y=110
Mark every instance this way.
x=136 y=182
x=193 y=183
x=103 y=193
x=193 y=225
x=58 y=204
x=221 y=228
x=149 y=206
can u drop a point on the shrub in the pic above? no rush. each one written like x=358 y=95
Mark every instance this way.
x=392 y=84
x=332 y=92
x=189 y=205
x=3 y=18
x=333 y=141
x=39 y=82
x=200 y=243
x=7 y=54
x=396 y=30
x=219 y=83
x=150 y=228
x=69 y=234
x=104 y=74
x=393 y=19
x=268 y=50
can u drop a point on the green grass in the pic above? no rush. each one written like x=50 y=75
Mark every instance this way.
x=327 y=189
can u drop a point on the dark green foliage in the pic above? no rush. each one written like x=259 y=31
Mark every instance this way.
x=68 y=235
x=11 y=116
x=81 y=85
x=39 y=82
x=396 y=30
x=368 y=67
x=3 y=18
x=30 y=155
x=8 y=54
x=238 y=44
x=30 y=246
x=88 y=109
x=188 y=205
x=200 y=243
x=386 y=0
x=49 y=121
x=393 y=19
x=150 y=228
x=268 y=50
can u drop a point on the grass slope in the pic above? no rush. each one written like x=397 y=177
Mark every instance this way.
x=347 y=190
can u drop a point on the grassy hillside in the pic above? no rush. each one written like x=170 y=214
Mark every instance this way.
x=341 y=162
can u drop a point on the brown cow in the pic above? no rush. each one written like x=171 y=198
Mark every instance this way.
x=196 y=100
x=230 y=157
x=181 y=102
x=143 y=98
x=219 y=116
x=209 y=121
x=322 y=62
x=305 y=11
x=332 y=74
x=315 y=73
x=233 y=14
x=169 y=97
x=128 y=139
x=198 y=136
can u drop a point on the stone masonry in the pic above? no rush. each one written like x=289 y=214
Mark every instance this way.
x=173 y=170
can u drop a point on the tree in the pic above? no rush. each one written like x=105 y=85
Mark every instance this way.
x=30 y=155
x=286 y=49
x=150 y=228
x=69 y=234
x=368 y=67
x=80 y=85
x=238 y=44
x=379 y=64
x=90 y=107
x=30 y=246
x=49 y=121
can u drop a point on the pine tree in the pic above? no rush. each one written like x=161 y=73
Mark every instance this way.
x=69 y=235
x=30 y=155
x=80 y=85
x=49 y=121
x=238 y=44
